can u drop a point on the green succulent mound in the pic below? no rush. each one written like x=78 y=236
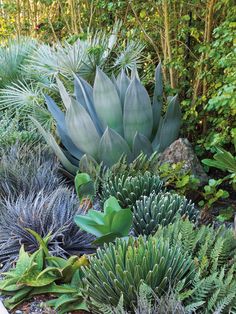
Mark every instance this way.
x=112 y=119
x=121 y=268
x=128 y=189
x=160 y=209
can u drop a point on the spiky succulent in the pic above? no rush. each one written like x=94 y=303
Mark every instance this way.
x=128 y=189
x=27 y=169
x=47 y=213
x=147 y=303
x=160 y=209
x=112 y=119
x=121 y=267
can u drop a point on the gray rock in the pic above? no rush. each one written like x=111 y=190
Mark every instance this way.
x=181 y=151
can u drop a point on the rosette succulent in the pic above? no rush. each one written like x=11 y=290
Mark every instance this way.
x=114 y=118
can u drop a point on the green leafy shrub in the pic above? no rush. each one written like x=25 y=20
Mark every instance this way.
x=112 y=119
x=41 y=273
x=121 y=268
x=224 y=161
x=114 y=222
x=128 y=189
x=161 y=209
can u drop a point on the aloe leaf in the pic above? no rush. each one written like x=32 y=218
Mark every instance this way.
x=107 y=102
x=157 y=98
x=137 y=115
x=171 y=124
x=84 y=95
x=112 y=146
x=81 y=129
x=141 y=144
x=57 y=150
x=64 y=95
x=122 y=83
x=59 y=116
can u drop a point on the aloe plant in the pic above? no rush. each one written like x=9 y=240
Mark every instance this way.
x=114 y=118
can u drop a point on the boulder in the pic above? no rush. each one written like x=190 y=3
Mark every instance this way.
x=181 y=151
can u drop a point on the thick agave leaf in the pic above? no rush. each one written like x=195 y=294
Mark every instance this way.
x=157 y=98
x=59 y=116
x=81 y=129
x=171 y=124
x=107 y=102
x=156 y=140
x=141 y=144
x=64 y=95
x=137 y=115
x=57 y=150
x=112 y=146
x=122 y=83
x=84 y=96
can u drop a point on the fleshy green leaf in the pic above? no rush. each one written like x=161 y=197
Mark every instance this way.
x=137 y=115
x=122 y=83
x=157 y=98
x=171 y=124
x=57 y=150
x=112 y=146
x=81 y=129
x=141 y=144
x=107 y=102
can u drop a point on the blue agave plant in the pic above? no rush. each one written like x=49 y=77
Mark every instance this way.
x=116 y=117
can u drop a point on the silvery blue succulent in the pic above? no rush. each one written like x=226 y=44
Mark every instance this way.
x=115 y=117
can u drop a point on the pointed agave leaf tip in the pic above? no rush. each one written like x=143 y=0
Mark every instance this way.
x=137 y=116
x=112 y=146
x=107 y=102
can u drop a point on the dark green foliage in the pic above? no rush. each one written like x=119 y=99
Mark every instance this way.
x=45 y=213
x=120 y=268
x=128 y=189
x=160 y=209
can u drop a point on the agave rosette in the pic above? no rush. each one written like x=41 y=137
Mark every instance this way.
x=116 y=117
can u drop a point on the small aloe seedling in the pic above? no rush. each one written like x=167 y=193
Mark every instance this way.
x=114 y=222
